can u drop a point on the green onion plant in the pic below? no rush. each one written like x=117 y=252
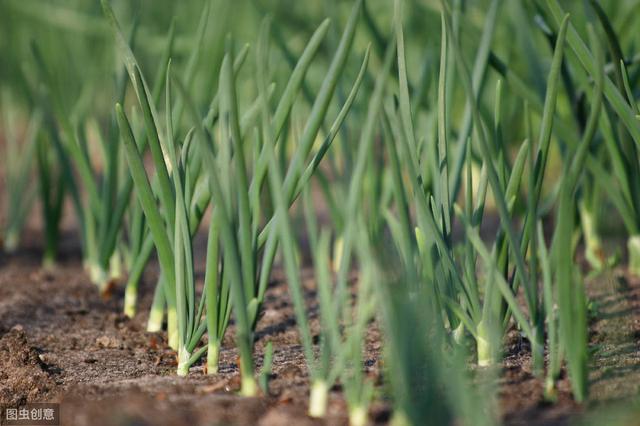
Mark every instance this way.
x=519 y=112
x=235 y=234
x=98 y=196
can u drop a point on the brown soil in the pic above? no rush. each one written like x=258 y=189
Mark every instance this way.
x=60 y=341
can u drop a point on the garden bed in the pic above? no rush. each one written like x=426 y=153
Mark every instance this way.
x=61 y=341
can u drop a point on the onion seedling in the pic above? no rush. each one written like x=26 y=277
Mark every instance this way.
x=620 y=129
x=142 y=242
x=428 y=380
x=99 y=199
x=52 y=182
x=236 y=209
x=484 y=311
x=568 y=328
x=173 y=243
x=517 y=246
x=322 y=375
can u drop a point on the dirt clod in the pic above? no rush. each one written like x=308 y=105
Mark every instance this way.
x=23 y=373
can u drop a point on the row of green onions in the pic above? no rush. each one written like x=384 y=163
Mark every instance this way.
x=396 y=184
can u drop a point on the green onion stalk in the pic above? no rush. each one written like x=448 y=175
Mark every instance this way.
x=174 y=245
x=100 y=199
x=322 y=374
x=619 y=125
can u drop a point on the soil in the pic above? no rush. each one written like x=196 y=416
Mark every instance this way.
x=60 y=341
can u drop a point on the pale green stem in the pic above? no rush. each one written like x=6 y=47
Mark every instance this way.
x=358 y=416
x=213 y=354
x=593 y=251
x=248 y=385
x=458 y=333
x=156 y=314
x=130 y=301
x=483 y=345
x=98 y=275
x=400 y=418
x=115 y=266
x=11 y=242
x=318 y=398
x=633 y=246
x=172 y=328
x=183 y=361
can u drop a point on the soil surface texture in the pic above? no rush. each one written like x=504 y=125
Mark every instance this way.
x=61 y=341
